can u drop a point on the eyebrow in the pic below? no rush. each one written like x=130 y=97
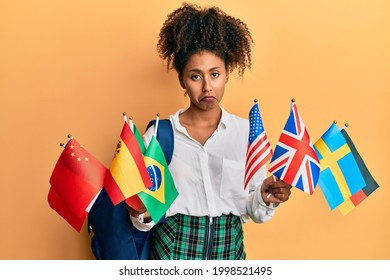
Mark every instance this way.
x=211 y=69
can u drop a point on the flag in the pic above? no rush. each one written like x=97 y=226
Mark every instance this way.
x=58 y=205
x=370 y=184
x=134 y=201
x=295 y=160
x=259 y=149
x=76 y=180
x=340 y=177
x=127 y=174
x=139 y=139
x=163 y=192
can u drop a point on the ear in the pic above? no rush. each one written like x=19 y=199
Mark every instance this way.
x=180 y=77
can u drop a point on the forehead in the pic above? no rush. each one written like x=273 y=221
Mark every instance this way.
x=204 y=61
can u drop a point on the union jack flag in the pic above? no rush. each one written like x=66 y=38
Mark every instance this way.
x=259 y=149
x=295 y=160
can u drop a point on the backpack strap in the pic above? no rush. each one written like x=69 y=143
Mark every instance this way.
x=164 y=137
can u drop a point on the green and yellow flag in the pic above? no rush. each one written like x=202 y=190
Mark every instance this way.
x=163 y=192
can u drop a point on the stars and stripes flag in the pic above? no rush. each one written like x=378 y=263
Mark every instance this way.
x=259 y=149
x=295 y=160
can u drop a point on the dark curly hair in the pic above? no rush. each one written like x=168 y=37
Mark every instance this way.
x=191 y=29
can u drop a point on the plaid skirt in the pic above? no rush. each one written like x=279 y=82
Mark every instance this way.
x=183 y=237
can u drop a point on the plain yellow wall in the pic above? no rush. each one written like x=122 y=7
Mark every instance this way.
x=75 y=66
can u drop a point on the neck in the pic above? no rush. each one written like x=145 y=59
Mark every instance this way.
x=199 y=124
x=211 y=117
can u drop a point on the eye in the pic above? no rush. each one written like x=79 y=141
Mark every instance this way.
x=215 y=75
x=195 y=77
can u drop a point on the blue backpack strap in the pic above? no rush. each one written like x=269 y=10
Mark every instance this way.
x=164 y=137
x=114 y=236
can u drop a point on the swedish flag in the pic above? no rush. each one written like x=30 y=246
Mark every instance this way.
x=340 y=176
x=370 y=184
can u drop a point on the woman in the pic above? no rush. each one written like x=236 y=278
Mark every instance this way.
x=205 y=222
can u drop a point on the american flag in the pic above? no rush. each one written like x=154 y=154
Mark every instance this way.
x=259 y=149
x=295 y=160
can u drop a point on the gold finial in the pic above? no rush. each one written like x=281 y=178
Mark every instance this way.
x=346 y=125
x=158 y=115
x=255 y=100
x=335 y=122
x=62 y=144
x=293 y=100
x=69 y=136
x=124 y=114
x=131 y=118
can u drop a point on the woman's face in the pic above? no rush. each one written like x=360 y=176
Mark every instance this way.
x=204 y=78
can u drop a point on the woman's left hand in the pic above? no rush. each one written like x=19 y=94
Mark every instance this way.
x=275 y=191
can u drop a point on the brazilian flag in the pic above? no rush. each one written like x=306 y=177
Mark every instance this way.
x=163 y=192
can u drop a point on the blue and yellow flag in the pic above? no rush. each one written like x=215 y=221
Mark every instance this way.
x=370 y=184
x=340 y=176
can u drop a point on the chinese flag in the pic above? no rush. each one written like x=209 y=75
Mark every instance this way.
x=76 y=180
x=61 y=208
x=127 y=175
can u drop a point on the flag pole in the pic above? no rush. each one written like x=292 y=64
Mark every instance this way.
x=345 y=126
x=131 y=124
x=124 y=117
x=63 y=145
x=157 y=119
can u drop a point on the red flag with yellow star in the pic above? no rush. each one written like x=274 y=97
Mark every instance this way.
x=76 y=180
x=57 y=204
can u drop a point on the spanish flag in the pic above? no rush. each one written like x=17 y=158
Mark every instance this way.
x=127 y=175
x=134 y=201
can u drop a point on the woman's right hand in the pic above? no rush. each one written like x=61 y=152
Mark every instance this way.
x=138 y=214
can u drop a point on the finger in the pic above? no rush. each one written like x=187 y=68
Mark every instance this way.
x=283 y=197
x=280 y=184
x=269 y=180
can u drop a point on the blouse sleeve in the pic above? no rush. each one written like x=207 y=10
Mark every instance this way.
x=257 y=210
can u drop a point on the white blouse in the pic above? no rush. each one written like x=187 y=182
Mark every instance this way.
x=210 y=177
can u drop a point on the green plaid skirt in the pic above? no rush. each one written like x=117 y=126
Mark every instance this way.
x=183 y=237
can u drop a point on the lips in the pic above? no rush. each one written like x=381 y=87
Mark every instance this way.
x=208 y=99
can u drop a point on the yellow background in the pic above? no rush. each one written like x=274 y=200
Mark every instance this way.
x=75 y=66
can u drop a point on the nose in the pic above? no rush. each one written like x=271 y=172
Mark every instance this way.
x=206 y=86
